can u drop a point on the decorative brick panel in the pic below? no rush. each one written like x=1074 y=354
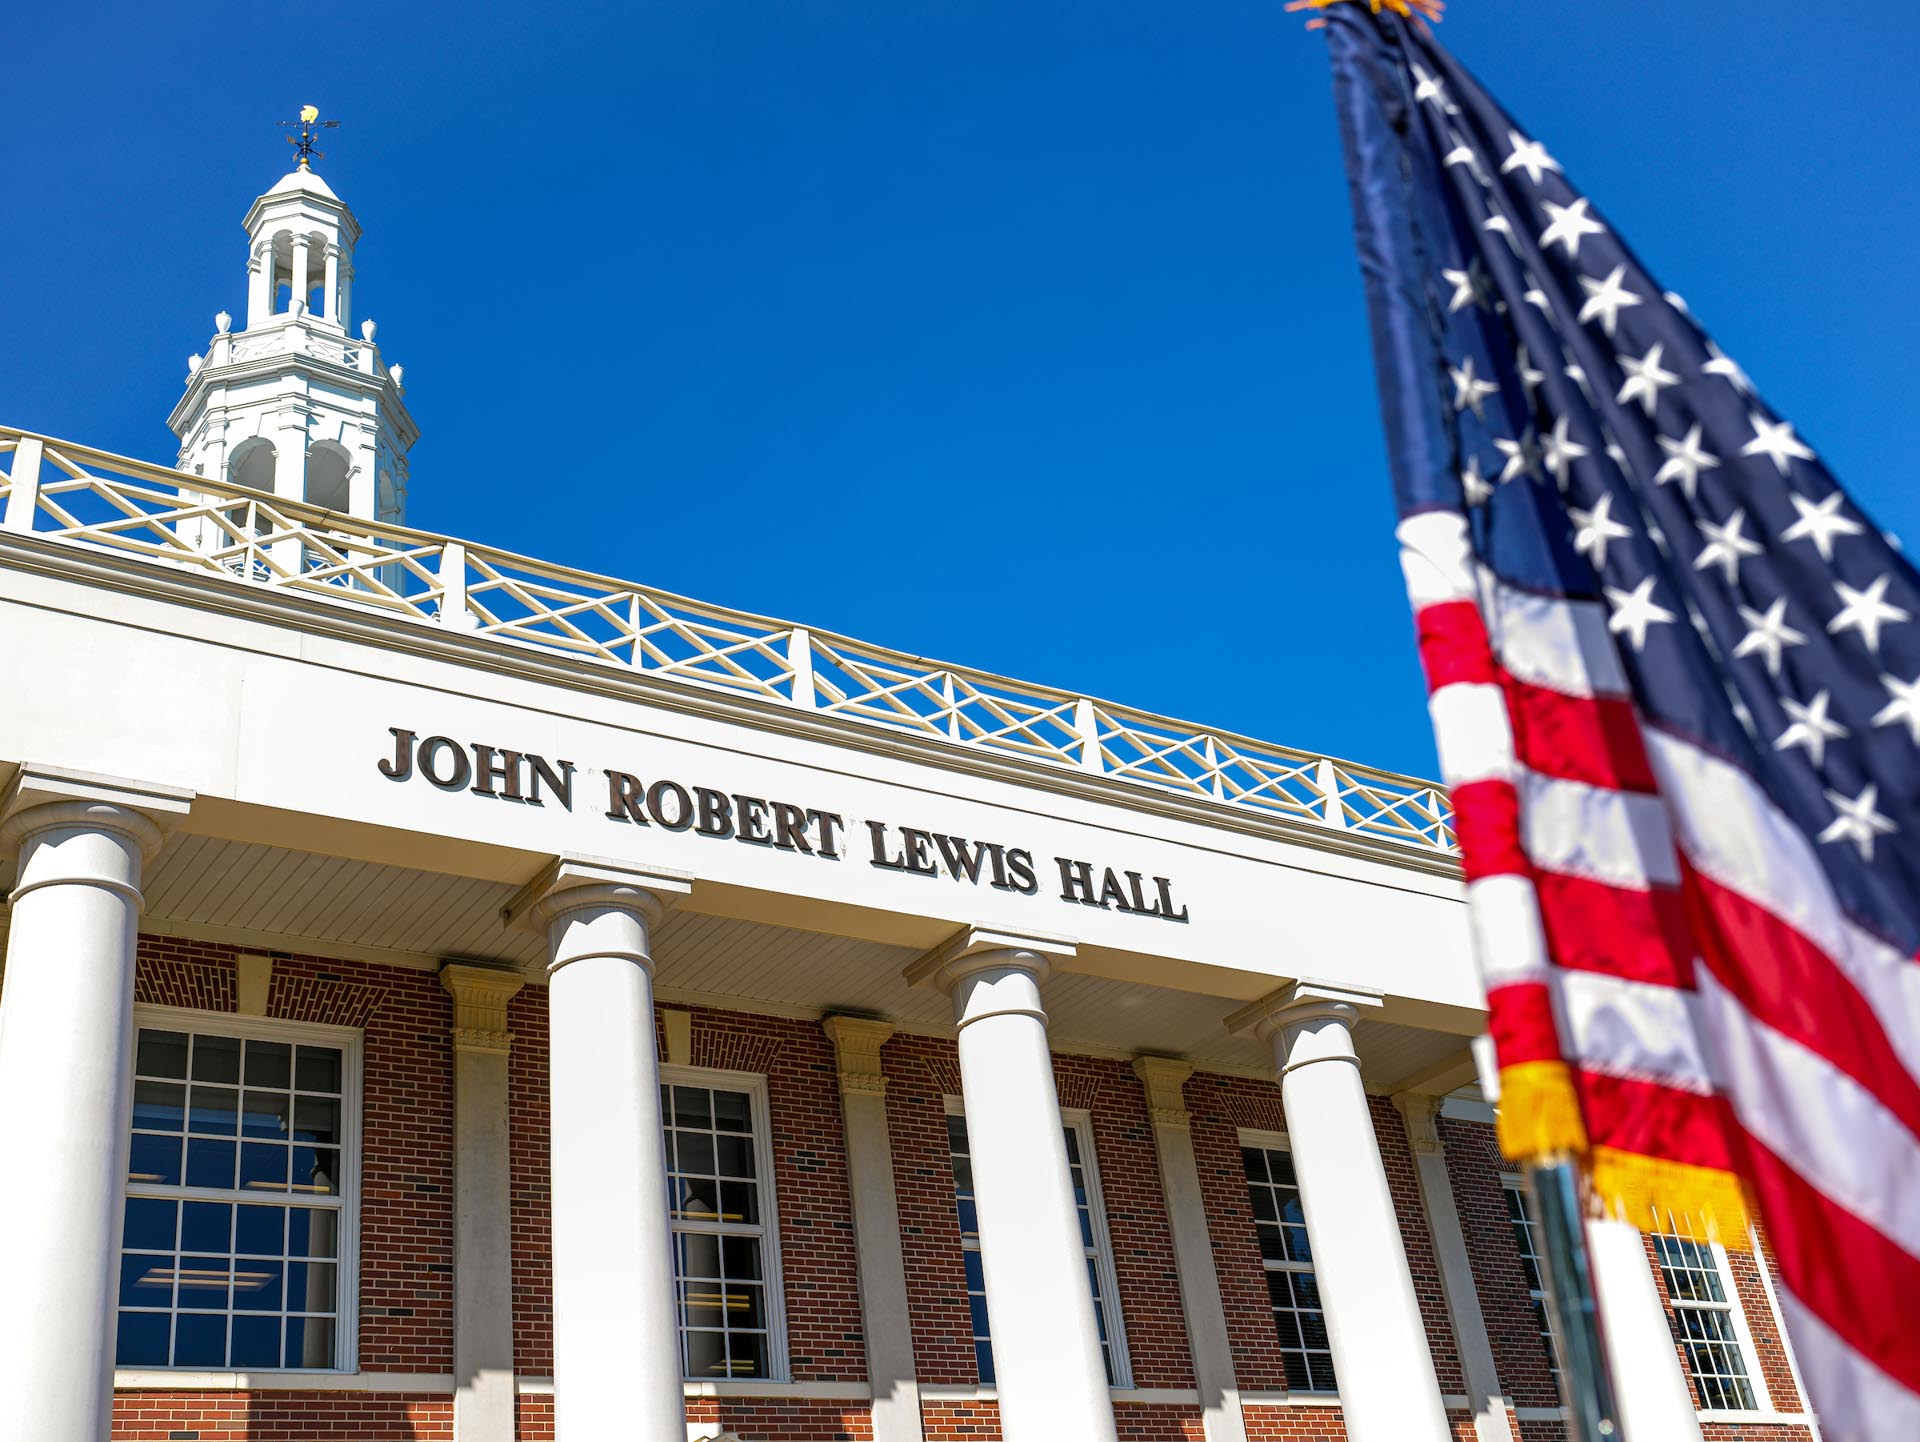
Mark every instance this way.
x=282 y=1417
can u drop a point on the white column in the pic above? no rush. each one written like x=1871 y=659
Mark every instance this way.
x=887 y=1326
x=616 y=1334
x=297 y=300
x=1651 y=1390
x=1221 y=1419
x=482 y=1203
x=1484 y=1395
x=346 y=292
x=1381 y=1360
x=260 y=284
x=66 y=1090
x=1049 y=1372
x=330 y=284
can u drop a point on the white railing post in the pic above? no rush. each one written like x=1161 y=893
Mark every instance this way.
x=952 y=698
x=1086 y=721
x=800 y=662
x=1327 y=777
x=1217 y=783
x=453 y=588
x=23 y=500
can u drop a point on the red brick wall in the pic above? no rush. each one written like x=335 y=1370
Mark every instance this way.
x=272 y=1416
x=921 y=1073
x=406 y=1170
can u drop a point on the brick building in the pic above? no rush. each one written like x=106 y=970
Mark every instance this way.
x=448 y=995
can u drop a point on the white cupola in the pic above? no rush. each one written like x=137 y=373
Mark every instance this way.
x=296 y=403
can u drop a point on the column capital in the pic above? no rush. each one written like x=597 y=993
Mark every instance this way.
x=1419 y=1112
x=977 y=948
x=1165 y=1078
x=856 y=1047
x=570 y=882
x=480 y=996
x=43 y=797
x=1299 y=1002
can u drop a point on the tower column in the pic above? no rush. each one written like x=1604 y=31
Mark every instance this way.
x=260 y=284
x=66 y=1088
x=616 y=1328
x=297 y=300
x=1381 y=1360
x=330 y=286
x=1048 y=1366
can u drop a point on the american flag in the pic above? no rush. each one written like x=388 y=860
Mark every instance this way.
x=1675 y=681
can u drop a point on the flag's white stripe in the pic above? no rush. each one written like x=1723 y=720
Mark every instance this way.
x=1436 y=557
x=1820 y=1121
x=1559 y=644
x=1857 y=1401
x=1471 y=730
x=1504 y=912
x=1633 y=1029
x=1733 y=834
x=1578 y=829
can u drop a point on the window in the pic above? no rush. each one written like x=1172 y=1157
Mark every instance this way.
x=725 y=1263
x=237 y=1247
x=1707 y=1322
x=1093 y=1238
x=1526 y=1239
x=1292 y=1289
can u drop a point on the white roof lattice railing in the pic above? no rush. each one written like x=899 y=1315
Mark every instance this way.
x=71 y=493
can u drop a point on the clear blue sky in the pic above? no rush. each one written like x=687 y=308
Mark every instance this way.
x=1026 y=334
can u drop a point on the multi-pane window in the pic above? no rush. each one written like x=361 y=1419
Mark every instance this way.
x=238 y=1200
x=1093 y=1239
x=1292 y=1289
x=722 y=1228
x=1703 y=1316
x=1526 y=1240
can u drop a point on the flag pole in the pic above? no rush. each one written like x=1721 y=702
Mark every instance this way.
x=1586 y=1384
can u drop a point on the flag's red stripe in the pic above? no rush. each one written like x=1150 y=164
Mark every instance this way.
x=1578 y=738
x=1520 y=1019
x=1453 y=644
x=1486 y=820
x=1639 y=935
x=1786 y=982
x=1655 y=1120
x=1858 y=1281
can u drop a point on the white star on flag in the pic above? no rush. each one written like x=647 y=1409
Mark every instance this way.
x=1724 y=365
x=1528 y=155
x=1811 y=728
x=1595 y=529
x=1645 y=379
x=1726 y=547
x=1570 y=224
x=1857 y=821
x=1478 y=488
x=1469 y=287
x=1776 y=441
x=1634 y=611
x=1768 y=635
x=1523 y=455
x=1560 y=451
x=1820 y=522
x=1904 y=708
x=1866 y=611
x=1606 y=299
x=1469 y=391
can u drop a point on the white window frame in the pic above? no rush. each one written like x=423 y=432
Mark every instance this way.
x=775 y=1286
x=350 y=1042
x=1255 y=1140
x=1509 y=1182
x=1742 y=1335
x=1080 y=1122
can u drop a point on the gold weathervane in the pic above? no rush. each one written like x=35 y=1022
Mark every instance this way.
x=309 y=122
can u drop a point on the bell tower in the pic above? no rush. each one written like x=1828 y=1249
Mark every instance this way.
x=297 y=404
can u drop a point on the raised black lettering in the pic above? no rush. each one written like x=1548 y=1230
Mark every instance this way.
x=624 y=802
x=683 y=805
x=487 y=770
x=1140 y=903
x=1020 y=863
x=436 y=746
x=918 y=851
x=1076 y=877
x=716 y=813
x=997 y=858
x=561 y=781
x=401 y=767
x=960 y=860
x=877 y=833
x=828 y=821
x=1112 y=893
x=752 y=812
x=1165 y=888
x=790 y=827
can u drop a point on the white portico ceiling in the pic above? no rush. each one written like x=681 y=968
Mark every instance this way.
x=284 y=900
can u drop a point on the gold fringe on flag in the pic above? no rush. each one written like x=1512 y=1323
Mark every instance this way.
x=1539 y=1113
x=1658 y=1195
x=1429 y=8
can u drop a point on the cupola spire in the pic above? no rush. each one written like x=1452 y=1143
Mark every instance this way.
x=297 y=403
